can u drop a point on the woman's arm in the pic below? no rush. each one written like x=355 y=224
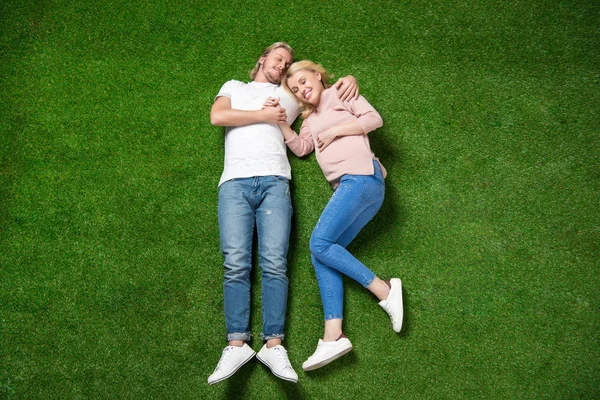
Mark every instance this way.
x=300 y=145
x=348 y=129
x=287 y=132
x=367 y=120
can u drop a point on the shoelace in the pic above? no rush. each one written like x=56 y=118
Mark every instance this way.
x=283 y=356
x=388 y=309
x=226 y=353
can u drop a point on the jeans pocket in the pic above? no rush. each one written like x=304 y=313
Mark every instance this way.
x=281 y=178
x=373 y=189
x=277 y=186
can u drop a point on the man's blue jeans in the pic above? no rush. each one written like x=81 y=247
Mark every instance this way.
x=353 y=204
x=244 y=203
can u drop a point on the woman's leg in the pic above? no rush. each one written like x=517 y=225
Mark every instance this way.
x=331 y=288
x=353 y=205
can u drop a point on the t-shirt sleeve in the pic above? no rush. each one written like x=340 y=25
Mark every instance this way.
x=228 y=88
x=290 y=104
x=368 y=118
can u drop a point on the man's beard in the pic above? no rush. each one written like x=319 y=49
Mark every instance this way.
x=270 y=77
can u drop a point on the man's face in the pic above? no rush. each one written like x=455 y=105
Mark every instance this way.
x=275 y=64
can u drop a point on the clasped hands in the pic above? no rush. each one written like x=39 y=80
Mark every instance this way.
x=275 y=111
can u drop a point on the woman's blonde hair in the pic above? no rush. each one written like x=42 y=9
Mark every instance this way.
x=306 y=65
x=266 y=53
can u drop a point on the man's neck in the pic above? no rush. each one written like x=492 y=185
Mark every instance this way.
x=261 y=78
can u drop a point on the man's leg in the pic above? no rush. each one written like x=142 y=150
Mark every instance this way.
x=236 y=225
x=273 y=221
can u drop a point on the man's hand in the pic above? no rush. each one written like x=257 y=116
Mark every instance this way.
x=273 y=104
x=326 y=137
x=274 y=115
x=347 y=88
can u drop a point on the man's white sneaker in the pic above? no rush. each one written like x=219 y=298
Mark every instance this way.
x=393 y=304
x=327 y=352
x=277 y=360
x=232 y=359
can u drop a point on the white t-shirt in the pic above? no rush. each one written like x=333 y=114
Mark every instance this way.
x=256 y=149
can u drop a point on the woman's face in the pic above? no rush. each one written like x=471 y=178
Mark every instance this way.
x=306 y=86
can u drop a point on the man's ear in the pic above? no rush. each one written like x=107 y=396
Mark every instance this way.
x=261 y=60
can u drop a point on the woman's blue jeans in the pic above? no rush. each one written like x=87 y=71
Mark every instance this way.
x=264 y=202
x=353 y=204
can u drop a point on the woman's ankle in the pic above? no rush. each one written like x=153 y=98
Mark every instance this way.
x=333 y=330
x=380 y=288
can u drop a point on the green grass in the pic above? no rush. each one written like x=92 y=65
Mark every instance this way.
x=110 y=268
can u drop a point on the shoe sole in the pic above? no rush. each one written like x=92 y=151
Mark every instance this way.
x=234 y=371
x=276 y=374
x=328 y=360
x=402 y=305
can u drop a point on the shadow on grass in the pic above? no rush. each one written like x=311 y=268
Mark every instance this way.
x=406 y=321
x=238 y=387
x=346 y=361
x=392 y=214
x=291 y=390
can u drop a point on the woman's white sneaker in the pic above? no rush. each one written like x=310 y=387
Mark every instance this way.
x=327 y=352
x=232 y=359
x=393 y=304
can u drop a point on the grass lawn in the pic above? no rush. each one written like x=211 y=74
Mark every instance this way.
x=110 y=268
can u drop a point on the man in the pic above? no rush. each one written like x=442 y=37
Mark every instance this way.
x=254 y=191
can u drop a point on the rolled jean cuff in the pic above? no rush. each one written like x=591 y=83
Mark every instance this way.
x=333 y=316
x=273 y=336
x=369 y=281
x=245 y=336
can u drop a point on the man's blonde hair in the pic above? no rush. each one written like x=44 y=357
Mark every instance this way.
x=306 y=65
x=265 y=53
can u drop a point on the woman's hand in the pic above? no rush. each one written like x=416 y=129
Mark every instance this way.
x=271 y=102
x=326 y=137
x=274 y=115
x=272 y=111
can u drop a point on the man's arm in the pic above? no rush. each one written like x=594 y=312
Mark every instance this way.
x=221 y=114
x=347 y=88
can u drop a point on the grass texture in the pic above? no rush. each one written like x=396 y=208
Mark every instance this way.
x=111 y=273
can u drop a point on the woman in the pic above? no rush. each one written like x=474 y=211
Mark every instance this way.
x=338 y=130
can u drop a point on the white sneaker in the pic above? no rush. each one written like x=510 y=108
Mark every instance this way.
x=393 y=304
x=232 y=359
x=277 y=360
x=327 y=352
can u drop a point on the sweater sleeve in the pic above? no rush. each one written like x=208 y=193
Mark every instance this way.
x=368 y=118
x=302 y=144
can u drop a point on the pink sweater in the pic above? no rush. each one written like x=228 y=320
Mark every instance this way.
x=346 y=154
